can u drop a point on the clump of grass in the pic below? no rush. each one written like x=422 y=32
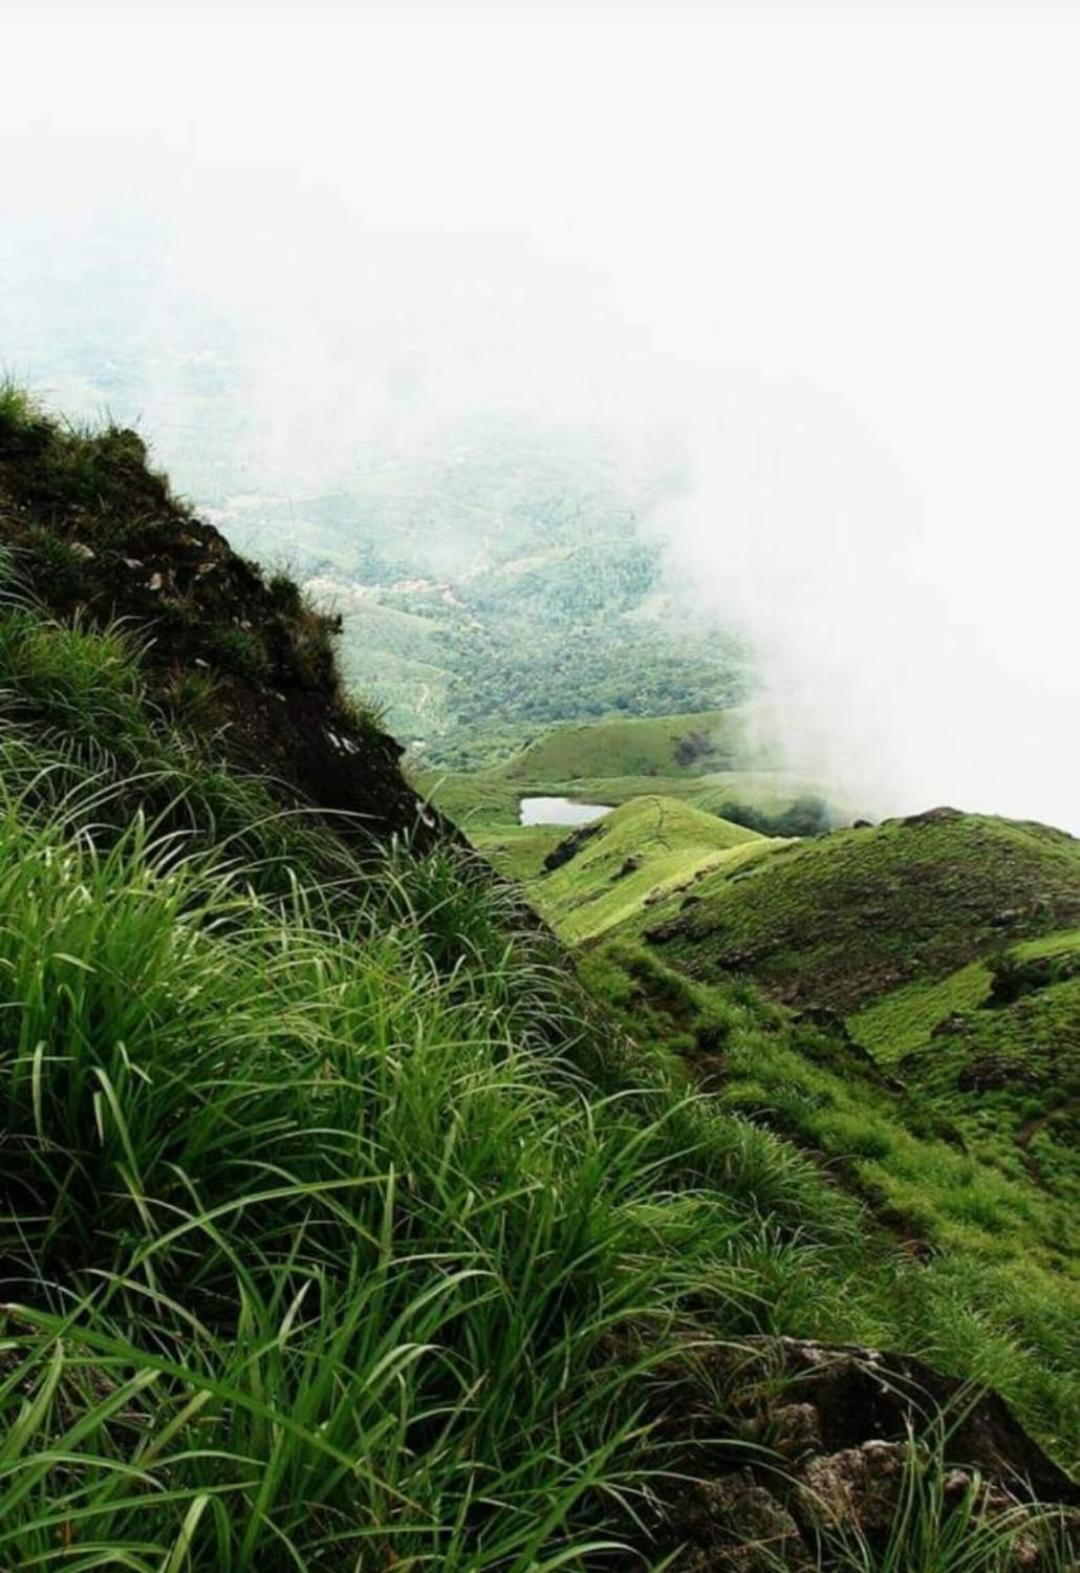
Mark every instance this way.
x=56 y=563
x=81 y=735
x=18 y=411
x=81 y=469
x=946 y=1521
x=81 y=683
x=285 y=593
x=314 y=633
x=238 y=650
x=367 y=715
x=192 y=701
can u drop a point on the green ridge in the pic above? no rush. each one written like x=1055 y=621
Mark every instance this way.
x=638 y=854
x=841 y=920
x=677 y=745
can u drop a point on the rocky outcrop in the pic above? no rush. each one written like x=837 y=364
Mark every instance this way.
x=784 y=1445
x=93 y=532
x=570 y=846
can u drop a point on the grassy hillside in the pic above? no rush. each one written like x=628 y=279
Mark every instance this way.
x=996 y=1047
x=963 y=1145
x=672 y=745
x=1011 y=1075
x=634 y=857
x=913 y=929
x=995 y=1290
x=851 y=916
x=340 y=1227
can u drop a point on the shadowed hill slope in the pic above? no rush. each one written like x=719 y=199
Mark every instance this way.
x=92 y=531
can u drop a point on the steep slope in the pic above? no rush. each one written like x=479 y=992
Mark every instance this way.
x=984 y=1222
x=1010 y=1076
x=995 y=1049
x=90 y=530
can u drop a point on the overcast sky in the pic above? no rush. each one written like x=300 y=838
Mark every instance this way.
x=835 y=250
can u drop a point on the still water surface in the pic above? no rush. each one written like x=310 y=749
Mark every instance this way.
x=560 y=811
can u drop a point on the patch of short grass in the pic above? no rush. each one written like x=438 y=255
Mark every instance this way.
x=904 y=1018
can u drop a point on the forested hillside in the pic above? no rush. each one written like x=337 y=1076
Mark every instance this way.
x=503 y=584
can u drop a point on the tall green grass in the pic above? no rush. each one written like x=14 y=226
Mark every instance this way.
x=313 y=1229
x=306 y=1255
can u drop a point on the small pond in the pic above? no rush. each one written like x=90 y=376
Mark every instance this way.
x=559 y=811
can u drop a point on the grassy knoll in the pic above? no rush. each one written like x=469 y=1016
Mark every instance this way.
x=673 y=826
x=637 y=855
